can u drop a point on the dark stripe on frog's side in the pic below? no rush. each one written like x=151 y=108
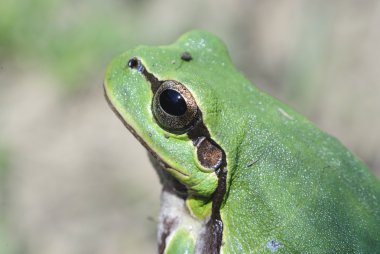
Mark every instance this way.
x=214 y=228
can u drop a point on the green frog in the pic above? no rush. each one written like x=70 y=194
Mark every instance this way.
x=241 y=171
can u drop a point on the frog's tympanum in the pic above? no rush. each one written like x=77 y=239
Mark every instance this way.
x=241 y=171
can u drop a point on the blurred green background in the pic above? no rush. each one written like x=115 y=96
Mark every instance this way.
x=73 y=180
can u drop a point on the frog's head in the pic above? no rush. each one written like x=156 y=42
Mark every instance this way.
x=171 y=99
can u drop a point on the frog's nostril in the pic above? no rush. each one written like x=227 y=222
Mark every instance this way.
x=133 y=63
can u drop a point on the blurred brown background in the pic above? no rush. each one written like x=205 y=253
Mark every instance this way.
x=73 y=180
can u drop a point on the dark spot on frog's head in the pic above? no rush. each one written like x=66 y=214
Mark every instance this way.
x=186 y=56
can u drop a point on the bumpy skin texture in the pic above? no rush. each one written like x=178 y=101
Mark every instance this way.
x=291 y=188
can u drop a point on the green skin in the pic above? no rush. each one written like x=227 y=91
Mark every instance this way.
x=290 y=187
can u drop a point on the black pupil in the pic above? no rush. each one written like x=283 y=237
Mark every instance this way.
x=172 y=102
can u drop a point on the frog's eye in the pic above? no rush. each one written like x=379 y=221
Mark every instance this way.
x=174 y=107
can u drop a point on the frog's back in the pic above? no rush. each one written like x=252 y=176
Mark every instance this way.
x=291 y=187
x=296 y=189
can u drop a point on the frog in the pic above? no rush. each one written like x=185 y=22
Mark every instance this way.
x=241 y=171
